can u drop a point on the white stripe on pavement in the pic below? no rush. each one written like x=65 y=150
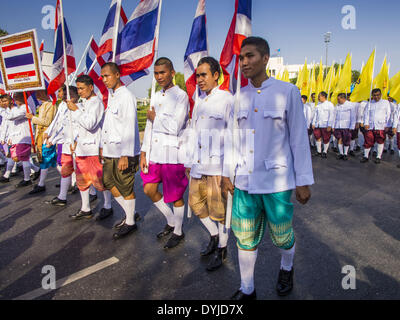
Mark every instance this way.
x=69 y=279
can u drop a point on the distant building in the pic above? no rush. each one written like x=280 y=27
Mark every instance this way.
x=276 y=66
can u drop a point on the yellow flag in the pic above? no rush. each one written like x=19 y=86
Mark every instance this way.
x=268 y=72
x=320 y=82
x=285 y=76
x=304 y=82
x=344 y=83
x=299 y=78
x=382 y=80
x=313 y=84
x=328 y=83
x=362 y=89
x=394 y=86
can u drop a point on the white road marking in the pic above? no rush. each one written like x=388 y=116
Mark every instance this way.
x=69 y=279
x=1 y=193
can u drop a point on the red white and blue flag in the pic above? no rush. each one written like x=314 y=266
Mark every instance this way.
x=107 y=38
x=2 y=86
x=239 y=30
x=136 y=42
x=57 y=77
x=197 y=48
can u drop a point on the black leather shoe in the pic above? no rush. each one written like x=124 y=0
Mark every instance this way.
x=239 y=295
x=351 y=153
x=166 y=231
x=57 y=202
x=364 y=160
x=391 y=151
x=174 y=241
x=120 y=223
x=38 y=189
x=36 y=175
x=345 y=158
x=317 y=154
x=212 y=245
x=73 y=189
x=124 y=230
x=285 y=282
x=81 y=215
x=92 y=198
x=324 y=155
x=57 y=185
x=4 y=180
x=104 y=213
x=218 y=258
x=24 y=183
x=377 y=161
x=385 y=151
x=339 y=157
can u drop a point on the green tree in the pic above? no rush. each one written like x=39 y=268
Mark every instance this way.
x=3 y=33
x=179 y=81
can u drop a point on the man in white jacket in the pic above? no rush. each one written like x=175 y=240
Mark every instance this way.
x=376 y=123
x=322 y=124
x=88 y=118
x=120 y=146
x=166 y=121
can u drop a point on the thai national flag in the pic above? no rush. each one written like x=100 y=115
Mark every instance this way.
x=239 y=30
x=197 y=48
x=95 y=73
x=135 y=49
x=106 y=41
x=58 y=74
x=1 y=85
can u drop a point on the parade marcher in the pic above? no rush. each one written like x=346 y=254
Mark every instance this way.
x=390 y=135
x=210 y=119
x=322 y=123
x=120 y=146
x=58 y=133
x=376 y=124
x=309 y=110
x=345 y=121
x=5 y=105
x=271 y=110
x=168 y=117
x=88 y=119
x=47 y=156
x=396 y=127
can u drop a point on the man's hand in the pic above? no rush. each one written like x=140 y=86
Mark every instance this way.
x=143 y=164
x=73 y=147
x=187 y=172
x=151 y=114
x=366 y=127
x=303 y=194
x=329 y=129
x=71 y=106
x=394 y=130
x=123 y=163
x=29 y=116
x=226 y=185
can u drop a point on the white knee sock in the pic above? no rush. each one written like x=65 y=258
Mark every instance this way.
x=85 y=201
x=121 y=202
x=287 y=258
x=92 y=190
x=223 y=235
x=10 y=165
x=178 y=219
x=210 y=225
x=107 y=199
x=346 y=150
x=27 y=170
x=64 y=186
x=366 y=152
x=130 y=211
x=43 y=175
x=166 y=211
x=247 y=262
x=326 y=147
x=14 y=168
x=73 y=179
x=380 y=151
x=34 y=168
x=352 y=144
x=319 y=146
x=340 y=147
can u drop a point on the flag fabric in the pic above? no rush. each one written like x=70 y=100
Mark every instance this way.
x=382 y=80
x=320 y=82
x=299 y=78
x=344 y=83
x=95 y=73
x=106 y=42
x=285 y=76
x=328 y=82
x=239 y=30
x=1 y=85
x=362 y=90
x=135 y=48
x=57 y=77
x=304 y=80
x=197 y=48
x=313 y=84
x=45 y=76
x=394 y=87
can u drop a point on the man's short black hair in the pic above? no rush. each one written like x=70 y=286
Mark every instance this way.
x=261 y=45
x=213 y=63
x=324 y=94
x=74 y=90
x=19 y=96
x=342 y=95
x=304 y=97
x=163 y=61
x=85 y=79
x=376 y=91
x=112 y=65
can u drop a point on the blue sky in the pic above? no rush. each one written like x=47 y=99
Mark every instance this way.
x=296 y=27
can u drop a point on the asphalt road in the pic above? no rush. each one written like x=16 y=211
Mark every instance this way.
x=352 y=219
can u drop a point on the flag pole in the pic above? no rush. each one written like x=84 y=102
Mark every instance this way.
x=80 y=62
x=153 y=84
x=116 y=29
